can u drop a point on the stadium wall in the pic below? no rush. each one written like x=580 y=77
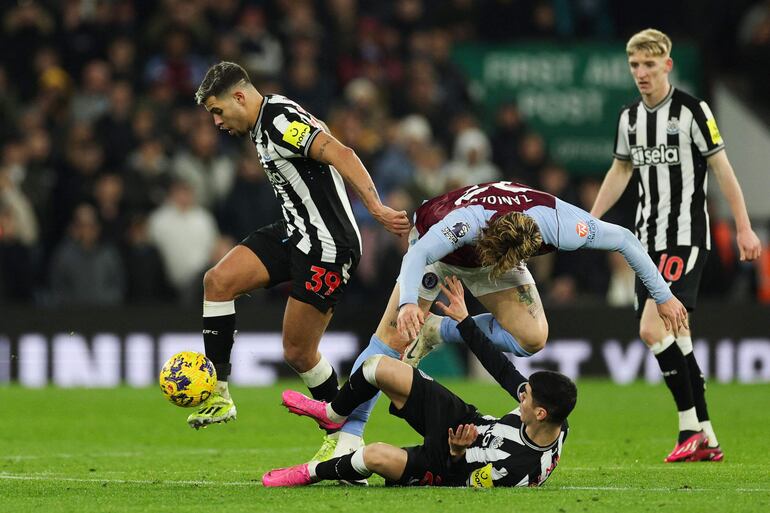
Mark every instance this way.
x=105 y=348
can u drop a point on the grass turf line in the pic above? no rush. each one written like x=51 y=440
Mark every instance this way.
x=128 y=450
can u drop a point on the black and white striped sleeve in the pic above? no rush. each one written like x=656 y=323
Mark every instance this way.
x=291 y=130
x=705 y=133
x=621 y=151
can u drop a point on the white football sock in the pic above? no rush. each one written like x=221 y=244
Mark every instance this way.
x=688 y=420
x=357 y=462
x=318 y=374
x=221 y=389
x=347 y=443
x=709 y=430
x=333 y=415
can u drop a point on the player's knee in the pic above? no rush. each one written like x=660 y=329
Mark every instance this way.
x=375 y=456
x=297 y=357
x=218 y=283
x=534 y=341
x=649 y=335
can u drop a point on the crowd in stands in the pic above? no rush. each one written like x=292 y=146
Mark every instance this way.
x=116 y=189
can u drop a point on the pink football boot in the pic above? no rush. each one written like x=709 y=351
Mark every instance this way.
x=686 y=450
x=298 y=475
x=301 y=404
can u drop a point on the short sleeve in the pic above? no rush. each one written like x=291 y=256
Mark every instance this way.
x=291 y=130
x=622 y=150
x=705 y=133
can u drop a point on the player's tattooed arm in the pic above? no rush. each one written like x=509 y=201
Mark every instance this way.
x=322 y=149
x=528 y=295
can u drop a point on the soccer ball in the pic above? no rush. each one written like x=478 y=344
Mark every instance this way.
x=188 y=378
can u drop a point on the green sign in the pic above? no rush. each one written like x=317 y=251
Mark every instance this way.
x=571 y=95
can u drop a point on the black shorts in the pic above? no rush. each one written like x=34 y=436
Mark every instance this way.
x=317 y=283
x=682 y=268
x=431 y=410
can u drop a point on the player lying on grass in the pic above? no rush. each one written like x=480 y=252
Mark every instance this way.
x=461 y=446
x=484 y=234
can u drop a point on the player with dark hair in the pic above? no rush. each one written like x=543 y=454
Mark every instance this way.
x=484 y=234
x=316 y=246
x=668 y=139
x=461 y=447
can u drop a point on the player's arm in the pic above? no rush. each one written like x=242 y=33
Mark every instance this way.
x=439 y=241
x=615 y=182
x=327 y=149
x=493 y=360
x=611 y=237
x=748 y=242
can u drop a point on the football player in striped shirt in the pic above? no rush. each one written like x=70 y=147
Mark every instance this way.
x=461 y=447
x=668 y=139
x=315 y=246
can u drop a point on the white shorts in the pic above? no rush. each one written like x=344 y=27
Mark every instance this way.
x=477 y=279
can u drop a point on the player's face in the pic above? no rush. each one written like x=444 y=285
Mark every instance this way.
x=527 y=408
x=229 y=113
x=650 y=73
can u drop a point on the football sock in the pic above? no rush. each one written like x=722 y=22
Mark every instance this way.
x=222 y=389
x=709 y=430
x=360 y=415
x=218 y=330
x=347 y=443
x=491 y=328
x=356 y=391
x=350 y=467
x=697 y=381
x=674 y=367
x=321 y=380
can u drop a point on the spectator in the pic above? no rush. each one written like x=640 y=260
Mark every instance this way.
x=184 y=233
x=471 y=163
x=204 y=168
x=85 y=271
x=146 y=280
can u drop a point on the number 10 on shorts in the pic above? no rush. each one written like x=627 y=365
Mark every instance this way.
x=323 y=277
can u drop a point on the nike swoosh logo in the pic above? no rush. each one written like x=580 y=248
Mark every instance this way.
x=409 y=354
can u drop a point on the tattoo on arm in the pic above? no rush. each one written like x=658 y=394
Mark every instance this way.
x=393 y=324
x=529 y=298
x=323 y=149
x=374 y=192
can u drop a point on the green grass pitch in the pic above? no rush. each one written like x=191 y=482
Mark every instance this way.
x=128 y=450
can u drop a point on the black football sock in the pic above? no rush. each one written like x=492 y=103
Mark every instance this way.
x=675 y=373
x=698 y=385
x=327 y=390
x=218 y=341
x=339 y=469
x=354 y=392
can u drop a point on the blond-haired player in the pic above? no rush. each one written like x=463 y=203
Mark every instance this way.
x=669 y=139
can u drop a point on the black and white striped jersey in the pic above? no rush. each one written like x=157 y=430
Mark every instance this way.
x=314 y=201
x=503 y=454
x=668 y=145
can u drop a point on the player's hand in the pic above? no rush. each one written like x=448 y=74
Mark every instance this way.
x=461 y=439
x=454 y=292
x=748 y=245
x=410 y=321
x=395 y=221
x=674 y=315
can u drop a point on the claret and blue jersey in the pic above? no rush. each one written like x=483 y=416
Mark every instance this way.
x=448 y=226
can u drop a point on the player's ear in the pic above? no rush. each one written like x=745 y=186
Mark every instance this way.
x=239 y=97
x=540 y=413
x=669 y=64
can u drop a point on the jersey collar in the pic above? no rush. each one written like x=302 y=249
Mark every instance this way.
x=533 y=445
x=660 y=103
x=255 y=129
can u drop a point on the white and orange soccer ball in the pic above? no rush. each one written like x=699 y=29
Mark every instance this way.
x=188 y=378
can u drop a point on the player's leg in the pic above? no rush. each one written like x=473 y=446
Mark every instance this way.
x=385 y=341
x=383 y=459
x=239 y=271
x=516 y=322
x=377 y=373
x=676 y=374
